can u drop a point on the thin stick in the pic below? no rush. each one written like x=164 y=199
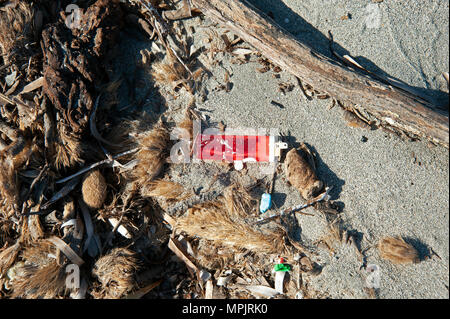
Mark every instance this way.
x=43 y=170
x=93 y=126
x=90 y=167
x=294 y=209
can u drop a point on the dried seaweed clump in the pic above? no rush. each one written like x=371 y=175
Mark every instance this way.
x=396 y=250
x=16 y=30
x=223 y=224
x=40 y=275
x=154 y=148
x=94 y=189
x=116 y=272
x=301 y=175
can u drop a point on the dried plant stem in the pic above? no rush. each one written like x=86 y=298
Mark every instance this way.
x=90 y=167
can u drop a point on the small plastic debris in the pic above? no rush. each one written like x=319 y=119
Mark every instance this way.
x=374 y=277
x=279 y=281
x=11 y=78
x=282 y=267
x=204 y=275
x=238 y=148
x=223 y=281
x=299 y=295
x=266 y=203
x=262 y=291
x=238 y=165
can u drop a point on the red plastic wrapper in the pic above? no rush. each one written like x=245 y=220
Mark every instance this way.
x=236 y=148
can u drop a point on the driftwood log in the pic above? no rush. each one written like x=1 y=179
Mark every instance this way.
x=392 y=106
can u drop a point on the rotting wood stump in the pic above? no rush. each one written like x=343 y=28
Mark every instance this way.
x=390 y=105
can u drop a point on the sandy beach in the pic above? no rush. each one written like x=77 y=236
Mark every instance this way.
x=383 y=183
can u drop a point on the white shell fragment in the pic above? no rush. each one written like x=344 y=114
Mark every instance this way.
x=262 y=291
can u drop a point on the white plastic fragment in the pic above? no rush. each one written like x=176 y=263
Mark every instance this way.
x=242 y=51
x=209 y=290
x=223 y=281
x=279 y=281
x=11 y=78
x=204 y=275
x=262 y=291
x=121 y=230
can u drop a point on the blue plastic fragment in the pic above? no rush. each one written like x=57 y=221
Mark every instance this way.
x=266 y=203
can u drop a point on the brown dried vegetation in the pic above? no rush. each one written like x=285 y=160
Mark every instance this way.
x=222 y=222
x=94 y=189
x=116 y=272
x=16 y=30
x=152 y=155
x=396 y=250
x=301 y=175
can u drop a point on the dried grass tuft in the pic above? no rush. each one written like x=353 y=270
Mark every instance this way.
x=11 y=160
x=31 y=230
x=5 y=230
x=116 y=272
x=210 y=256
x=47 y=282
x=68 y=150
x=16 y=30
x=166 y=189
x=169 y=72
x=396 y=250
x=238 y=201
x=9 y=191
x=187 y=123
x=222 y=222
x=7 y=258
x=154 y=148
x=40 y=275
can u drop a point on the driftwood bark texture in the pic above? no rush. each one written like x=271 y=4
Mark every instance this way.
x=392 y=106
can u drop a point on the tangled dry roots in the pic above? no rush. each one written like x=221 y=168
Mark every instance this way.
x=116 y=272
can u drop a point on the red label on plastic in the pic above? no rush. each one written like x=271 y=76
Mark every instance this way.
x=232 y=148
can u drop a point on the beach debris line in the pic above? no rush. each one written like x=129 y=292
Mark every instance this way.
x=64 y=194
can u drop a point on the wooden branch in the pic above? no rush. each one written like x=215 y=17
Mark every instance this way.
x=391 y=105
